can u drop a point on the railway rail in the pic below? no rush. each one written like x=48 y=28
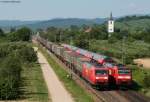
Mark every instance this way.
x=102 y=96
x=133 y=96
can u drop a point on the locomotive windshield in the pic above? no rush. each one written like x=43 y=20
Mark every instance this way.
x=121 y=66
x=124 y=71
x=101 y=72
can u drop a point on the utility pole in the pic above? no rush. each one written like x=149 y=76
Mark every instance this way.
x=89 y=41
x=71 y=41
x=125 y=35
x=123 y=50
x=60 y=36
x=55 y=37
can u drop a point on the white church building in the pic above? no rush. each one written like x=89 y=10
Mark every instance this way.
x=111 y=25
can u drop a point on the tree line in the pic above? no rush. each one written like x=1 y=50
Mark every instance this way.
x=22 y=34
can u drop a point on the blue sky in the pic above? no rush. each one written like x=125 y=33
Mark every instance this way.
x=48 y=9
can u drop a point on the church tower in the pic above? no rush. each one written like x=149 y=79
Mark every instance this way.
x=111 y=25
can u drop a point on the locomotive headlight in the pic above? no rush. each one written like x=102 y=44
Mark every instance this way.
x=101 y=77
x=120 y=77
x=105 y=77
x=128 y=77
x=124 y=77
x=97 y=77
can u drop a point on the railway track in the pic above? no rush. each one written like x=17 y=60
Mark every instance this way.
x=108 y=97
x=133 y=96
x=103 y=96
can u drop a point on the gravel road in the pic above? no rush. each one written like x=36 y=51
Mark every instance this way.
x=57 y=92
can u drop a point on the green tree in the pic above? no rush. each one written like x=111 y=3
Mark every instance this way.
x=1 y=32
x=22 y=34
x=12 y=29
x=27 y=54
x=82 y=40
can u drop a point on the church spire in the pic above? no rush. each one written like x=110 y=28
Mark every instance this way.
x=111 y=17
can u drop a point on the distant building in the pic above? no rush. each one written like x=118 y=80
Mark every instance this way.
x=111 y=25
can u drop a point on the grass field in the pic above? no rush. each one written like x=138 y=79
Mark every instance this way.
x=133 y=50
x=34 y=87
x=79 y=94
x=138 y=77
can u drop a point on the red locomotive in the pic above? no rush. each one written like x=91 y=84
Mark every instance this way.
x=119 y=74
x=96 y=75
x=93 y=72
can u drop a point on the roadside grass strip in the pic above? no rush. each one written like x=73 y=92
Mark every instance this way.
x=34 y=86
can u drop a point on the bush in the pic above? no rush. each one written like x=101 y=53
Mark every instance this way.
x=10 y=78
x=1 y=33
x=112 y=40
x=27 y=54
x=147 y=81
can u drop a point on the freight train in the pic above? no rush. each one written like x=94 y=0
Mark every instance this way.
x=89 y=65
x=118 y=74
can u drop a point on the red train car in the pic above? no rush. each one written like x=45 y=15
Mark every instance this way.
x=97 y=57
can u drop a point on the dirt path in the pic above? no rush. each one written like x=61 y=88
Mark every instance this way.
x=144 y=62
x=56 y=89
